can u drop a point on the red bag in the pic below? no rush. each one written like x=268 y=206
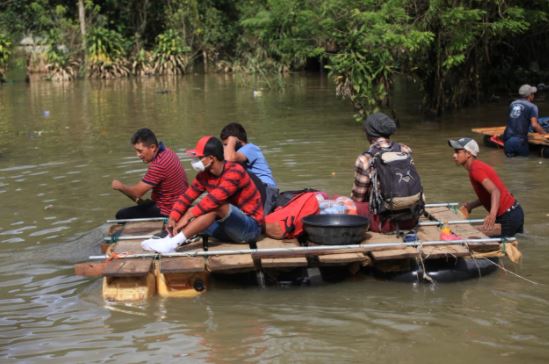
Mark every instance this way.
x=285 y=222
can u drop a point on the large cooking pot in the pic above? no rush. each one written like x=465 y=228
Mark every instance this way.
x=332 y=229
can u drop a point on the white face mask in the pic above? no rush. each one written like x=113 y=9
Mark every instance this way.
x=198 y=165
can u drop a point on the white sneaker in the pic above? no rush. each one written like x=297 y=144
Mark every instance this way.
x=164 y=245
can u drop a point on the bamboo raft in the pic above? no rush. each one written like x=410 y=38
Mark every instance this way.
x=130 y=273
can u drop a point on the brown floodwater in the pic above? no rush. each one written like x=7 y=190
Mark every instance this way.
x=62 y=144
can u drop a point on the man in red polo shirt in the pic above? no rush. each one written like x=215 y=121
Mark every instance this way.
x=231 y=210
x=165 y=177
x=502 y=207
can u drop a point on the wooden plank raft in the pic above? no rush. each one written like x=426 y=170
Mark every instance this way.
x=466 y=231
x=533 y=138
x=140 y=278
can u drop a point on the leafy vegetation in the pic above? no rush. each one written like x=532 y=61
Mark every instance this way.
x=5 y=51
x=458 y=52
x=170 y=54
x=106 y=51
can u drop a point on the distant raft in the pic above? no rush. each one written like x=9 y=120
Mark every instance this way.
x=539 y=144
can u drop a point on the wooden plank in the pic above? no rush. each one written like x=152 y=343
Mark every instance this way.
x=90 y=269
x=143 y=227
x=439 y=251
x=182 y=265
x=127 y=267
x=346 y=258
x=491 y=130
x=285 y=262
x=389 y=253
x=128 y=247
x=405 y=253
x=135 y=228
x=240 y=262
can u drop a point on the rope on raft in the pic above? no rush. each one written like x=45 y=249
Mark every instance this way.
x=419 y=259
x=115 y=236
x=513 y=273
x=474 y=258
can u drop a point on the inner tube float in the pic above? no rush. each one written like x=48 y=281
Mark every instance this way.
x=444 y=270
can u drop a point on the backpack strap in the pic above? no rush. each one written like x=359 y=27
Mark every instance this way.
x=375 y=150
x=289 y=228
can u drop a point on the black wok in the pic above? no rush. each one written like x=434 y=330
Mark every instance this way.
x=336 y=229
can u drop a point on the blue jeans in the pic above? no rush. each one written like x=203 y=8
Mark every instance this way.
x=236 y=227
x=516 y=146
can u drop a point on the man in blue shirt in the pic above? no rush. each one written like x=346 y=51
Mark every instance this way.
x=237 y=149
x=522 y=114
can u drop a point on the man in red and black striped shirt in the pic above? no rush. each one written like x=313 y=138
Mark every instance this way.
x=165 y=177
x=231 y=210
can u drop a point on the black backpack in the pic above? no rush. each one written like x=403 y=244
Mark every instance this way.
x=396 y=192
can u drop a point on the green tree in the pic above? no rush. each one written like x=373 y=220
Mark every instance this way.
x=282 y=34
x=373 y=40
x=475 y=43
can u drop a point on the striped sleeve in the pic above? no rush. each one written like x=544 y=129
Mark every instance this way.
x=220 y=194
x=361 y=185
x=186 y=199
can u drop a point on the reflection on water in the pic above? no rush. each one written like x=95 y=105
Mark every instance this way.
x=62 y=144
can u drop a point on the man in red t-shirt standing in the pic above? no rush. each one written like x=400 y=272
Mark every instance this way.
x=165 y=177
x=501 y=205
x=230 y=211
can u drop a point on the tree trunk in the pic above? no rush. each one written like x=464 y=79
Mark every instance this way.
x=82 y=19
x=205 y=60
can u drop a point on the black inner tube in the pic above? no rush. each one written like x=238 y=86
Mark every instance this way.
x=443 y=270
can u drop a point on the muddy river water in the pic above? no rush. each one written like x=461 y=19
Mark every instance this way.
x=61 y=145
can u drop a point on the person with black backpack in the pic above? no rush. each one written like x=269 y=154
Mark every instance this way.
x=387 y=188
